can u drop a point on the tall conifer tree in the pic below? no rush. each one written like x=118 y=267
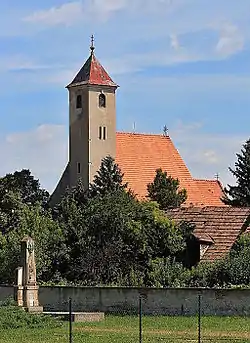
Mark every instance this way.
x=108 y=178
x=239 y=194
x=165 y=190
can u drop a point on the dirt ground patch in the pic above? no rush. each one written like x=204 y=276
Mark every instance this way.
x=186 y=333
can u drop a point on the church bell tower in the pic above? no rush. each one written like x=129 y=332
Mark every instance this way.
x=92 y=120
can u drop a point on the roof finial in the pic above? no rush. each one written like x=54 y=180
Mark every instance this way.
x=92 y=48
x=134 y=127
x=217 y=176
x=165 y=131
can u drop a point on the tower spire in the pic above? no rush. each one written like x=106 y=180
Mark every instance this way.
x=92 y=47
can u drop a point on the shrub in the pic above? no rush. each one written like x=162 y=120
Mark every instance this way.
x=14 y=317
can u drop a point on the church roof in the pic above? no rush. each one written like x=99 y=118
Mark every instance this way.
x=139 y=155
x=92 y=73
x=218 y=226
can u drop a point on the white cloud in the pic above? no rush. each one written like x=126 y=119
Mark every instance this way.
x=103 y=9
x=22 y=62
x=72 y=12
x=174 y=42
x=43 y=150
x=231 y=40
x=67 y=14
x=207 y=154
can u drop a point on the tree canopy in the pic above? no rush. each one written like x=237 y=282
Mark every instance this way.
x=26 y=185
x=165 y=191
x=239 y=194
x=106 y=236
x=109 y=178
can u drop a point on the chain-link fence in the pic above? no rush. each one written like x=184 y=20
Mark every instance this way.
x=130 y=327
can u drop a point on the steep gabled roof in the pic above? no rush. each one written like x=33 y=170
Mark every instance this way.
x=92 y=73
x=218 y=226
x=139 y=155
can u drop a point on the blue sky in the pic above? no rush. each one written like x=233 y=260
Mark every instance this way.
x=180 y=63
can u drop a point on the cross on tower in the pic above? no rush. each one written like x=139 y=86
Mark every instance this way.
x=92 y=48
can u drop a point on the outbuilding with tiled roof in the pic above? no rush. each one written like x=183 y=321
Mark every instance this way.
x=216 y=228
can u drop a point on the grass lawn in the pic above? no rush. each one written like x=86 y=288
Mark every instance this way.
x=125 y=329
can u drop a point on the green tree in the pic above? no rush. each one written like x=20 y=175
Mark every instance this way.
x=239 y=194
x=35 y=222
x=109 y=178
x=112 y=238
x=165 y=191
x=166 y=272
x=102 y=239
x=26 y=185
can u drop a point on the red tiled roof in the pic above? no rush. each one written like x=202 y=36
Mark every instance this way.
x=139 y=155
x=93 y=73
x=222 y=224
x=211 y=190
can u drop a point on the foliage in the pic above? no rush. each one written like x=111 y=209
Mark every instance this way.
x=108 y=237
x=26 y=185
x=14 y=317
x=101 y=240
x=108 y=178
x=165 y=190
x=239 y=194
x=238 y=268
x=166 y=272
x=112 y=238
x=32 y=221
x=210 y=274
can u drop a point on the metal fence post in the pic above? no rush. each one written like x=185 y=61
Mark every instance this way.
x=70 y=321
x=140 y=320
x=199 y=318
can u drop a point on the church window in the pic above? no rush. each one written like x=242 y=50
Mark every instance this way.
x=102 y=132
x=79 y=101
x=102 y=100
x=78 y=167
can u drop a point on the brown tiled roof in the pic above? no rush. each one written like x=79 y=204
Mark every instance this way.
x=93 y=73
x=222 y=224
x=139 y=155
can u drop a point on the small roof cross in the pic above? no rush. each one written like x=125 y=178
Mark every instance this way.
x=92 y=47
x=165 y=131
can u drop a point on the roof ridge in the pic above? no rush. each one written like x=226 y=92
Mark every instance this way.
x=207 y=180
x=143 y=134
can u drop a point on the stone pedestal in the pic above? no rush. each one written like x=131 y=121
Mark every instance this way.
x=30 y=299
x=18 y=295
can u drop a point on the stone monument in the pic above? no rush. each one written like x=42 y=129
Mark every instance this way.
x=26 y=289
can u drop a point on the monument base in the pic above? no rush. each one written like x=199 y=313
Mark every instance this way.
x=79 y=316
x=34 y=309
x=30 y=296
x=18 y=295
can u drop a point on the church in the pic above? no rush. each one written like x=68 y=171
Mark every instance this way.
x=93 y=136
